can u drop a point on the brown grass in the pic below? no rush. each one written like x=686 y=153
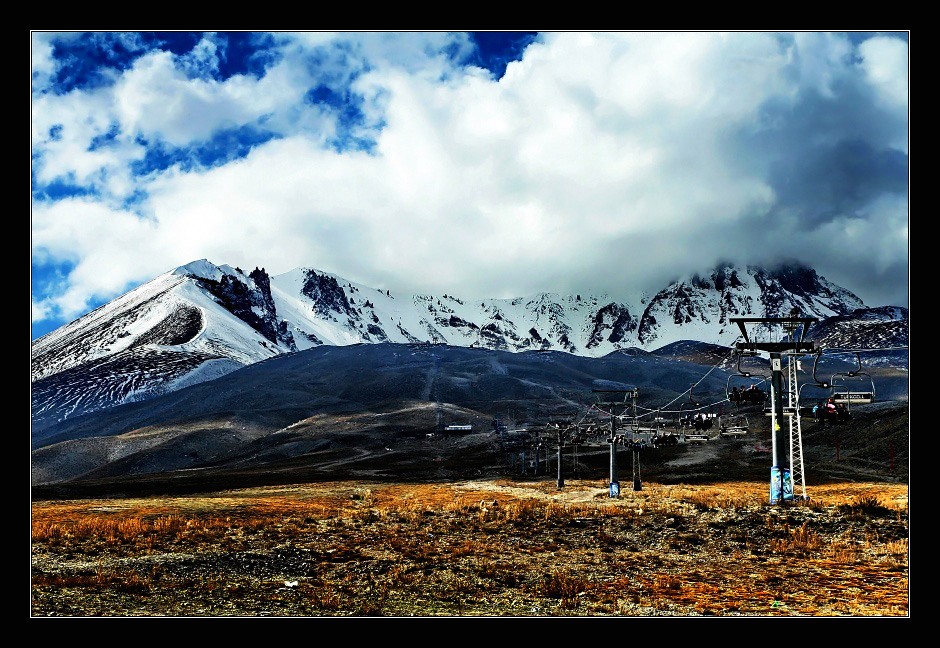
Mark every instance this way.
x=447 y=549
x=799 y=540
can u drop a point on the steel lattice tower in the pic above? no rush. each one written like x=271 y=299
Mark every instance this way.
x=798 y=477
x=781 y=477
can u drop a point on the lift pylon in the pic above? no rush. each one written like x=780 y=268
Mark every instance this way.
x=617 y=399
x=798 y=476
x=795 y=328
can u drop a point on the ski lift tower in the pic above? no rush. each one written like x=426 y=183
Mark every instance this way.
x=795 y=327
x=617 y=399
x=562 y=432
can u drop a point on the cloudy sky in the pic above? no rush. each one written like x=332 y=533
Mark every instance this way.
x=493 y=164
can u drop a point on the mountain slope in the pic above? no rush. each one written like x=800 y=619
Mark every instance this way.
x=336 y=410
x=201 y=321
x=354 y=397
x=192 y=324
x=864 y=328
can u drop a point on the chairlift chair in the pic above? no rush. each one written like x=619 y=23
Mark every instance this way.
x=747 y=376
x=696 y=437
x=839 y=386
x=685 y=416
x=825 y=384
x=692 y=400
x=736 y=425
x=842 y=394
x=745 y=381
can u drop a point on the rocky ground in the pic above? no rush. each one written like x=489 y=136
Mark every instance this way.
x=491 y=548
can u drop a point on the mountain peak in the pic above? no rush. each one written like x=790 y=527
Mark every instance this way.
x=205 y=269
x=199 y=268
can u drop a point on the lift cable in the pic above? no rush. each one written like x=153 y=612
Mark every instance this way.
x=689 y=390
x=662 y=409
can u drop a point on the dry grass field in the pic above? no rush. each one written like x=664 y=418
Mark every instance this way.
x=476 y=548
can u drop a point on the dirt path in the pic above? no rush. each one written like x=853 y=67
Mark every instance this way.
x=572 y=492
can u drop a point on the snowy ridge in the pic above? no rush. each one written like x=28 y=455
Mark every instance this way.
x=135 y=318
x=701 y=308
x=161 y=336
x=868 y=328
x=336 y=311
x=104 y=331
x=202 y=320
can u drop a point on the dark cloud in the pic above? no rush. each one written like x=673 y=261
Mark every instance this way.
x=838 y=179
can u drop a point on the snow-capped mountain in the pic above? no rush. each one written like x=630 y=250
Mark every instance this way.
x=195 y=323
x=864 y=328
x=700 y=308
x=200 y=321
x=882 y=330
x=322 y=308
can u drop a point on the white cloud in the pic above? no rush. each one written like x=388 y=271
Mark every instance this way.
x=598 y=161
x=473 y=173
x=78 y=118
x=41 y=59
x=417 y=52
x=203 y=59
x=156 y=99
x=110 y=248
x=880 y=236
x=884 y=60
x=40 y=310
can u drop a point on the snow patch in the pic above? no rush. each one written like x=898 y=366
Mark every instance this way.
x=201 y=268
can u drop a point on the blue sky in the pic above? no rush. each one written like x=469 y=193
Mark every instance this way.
x=484 y=164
